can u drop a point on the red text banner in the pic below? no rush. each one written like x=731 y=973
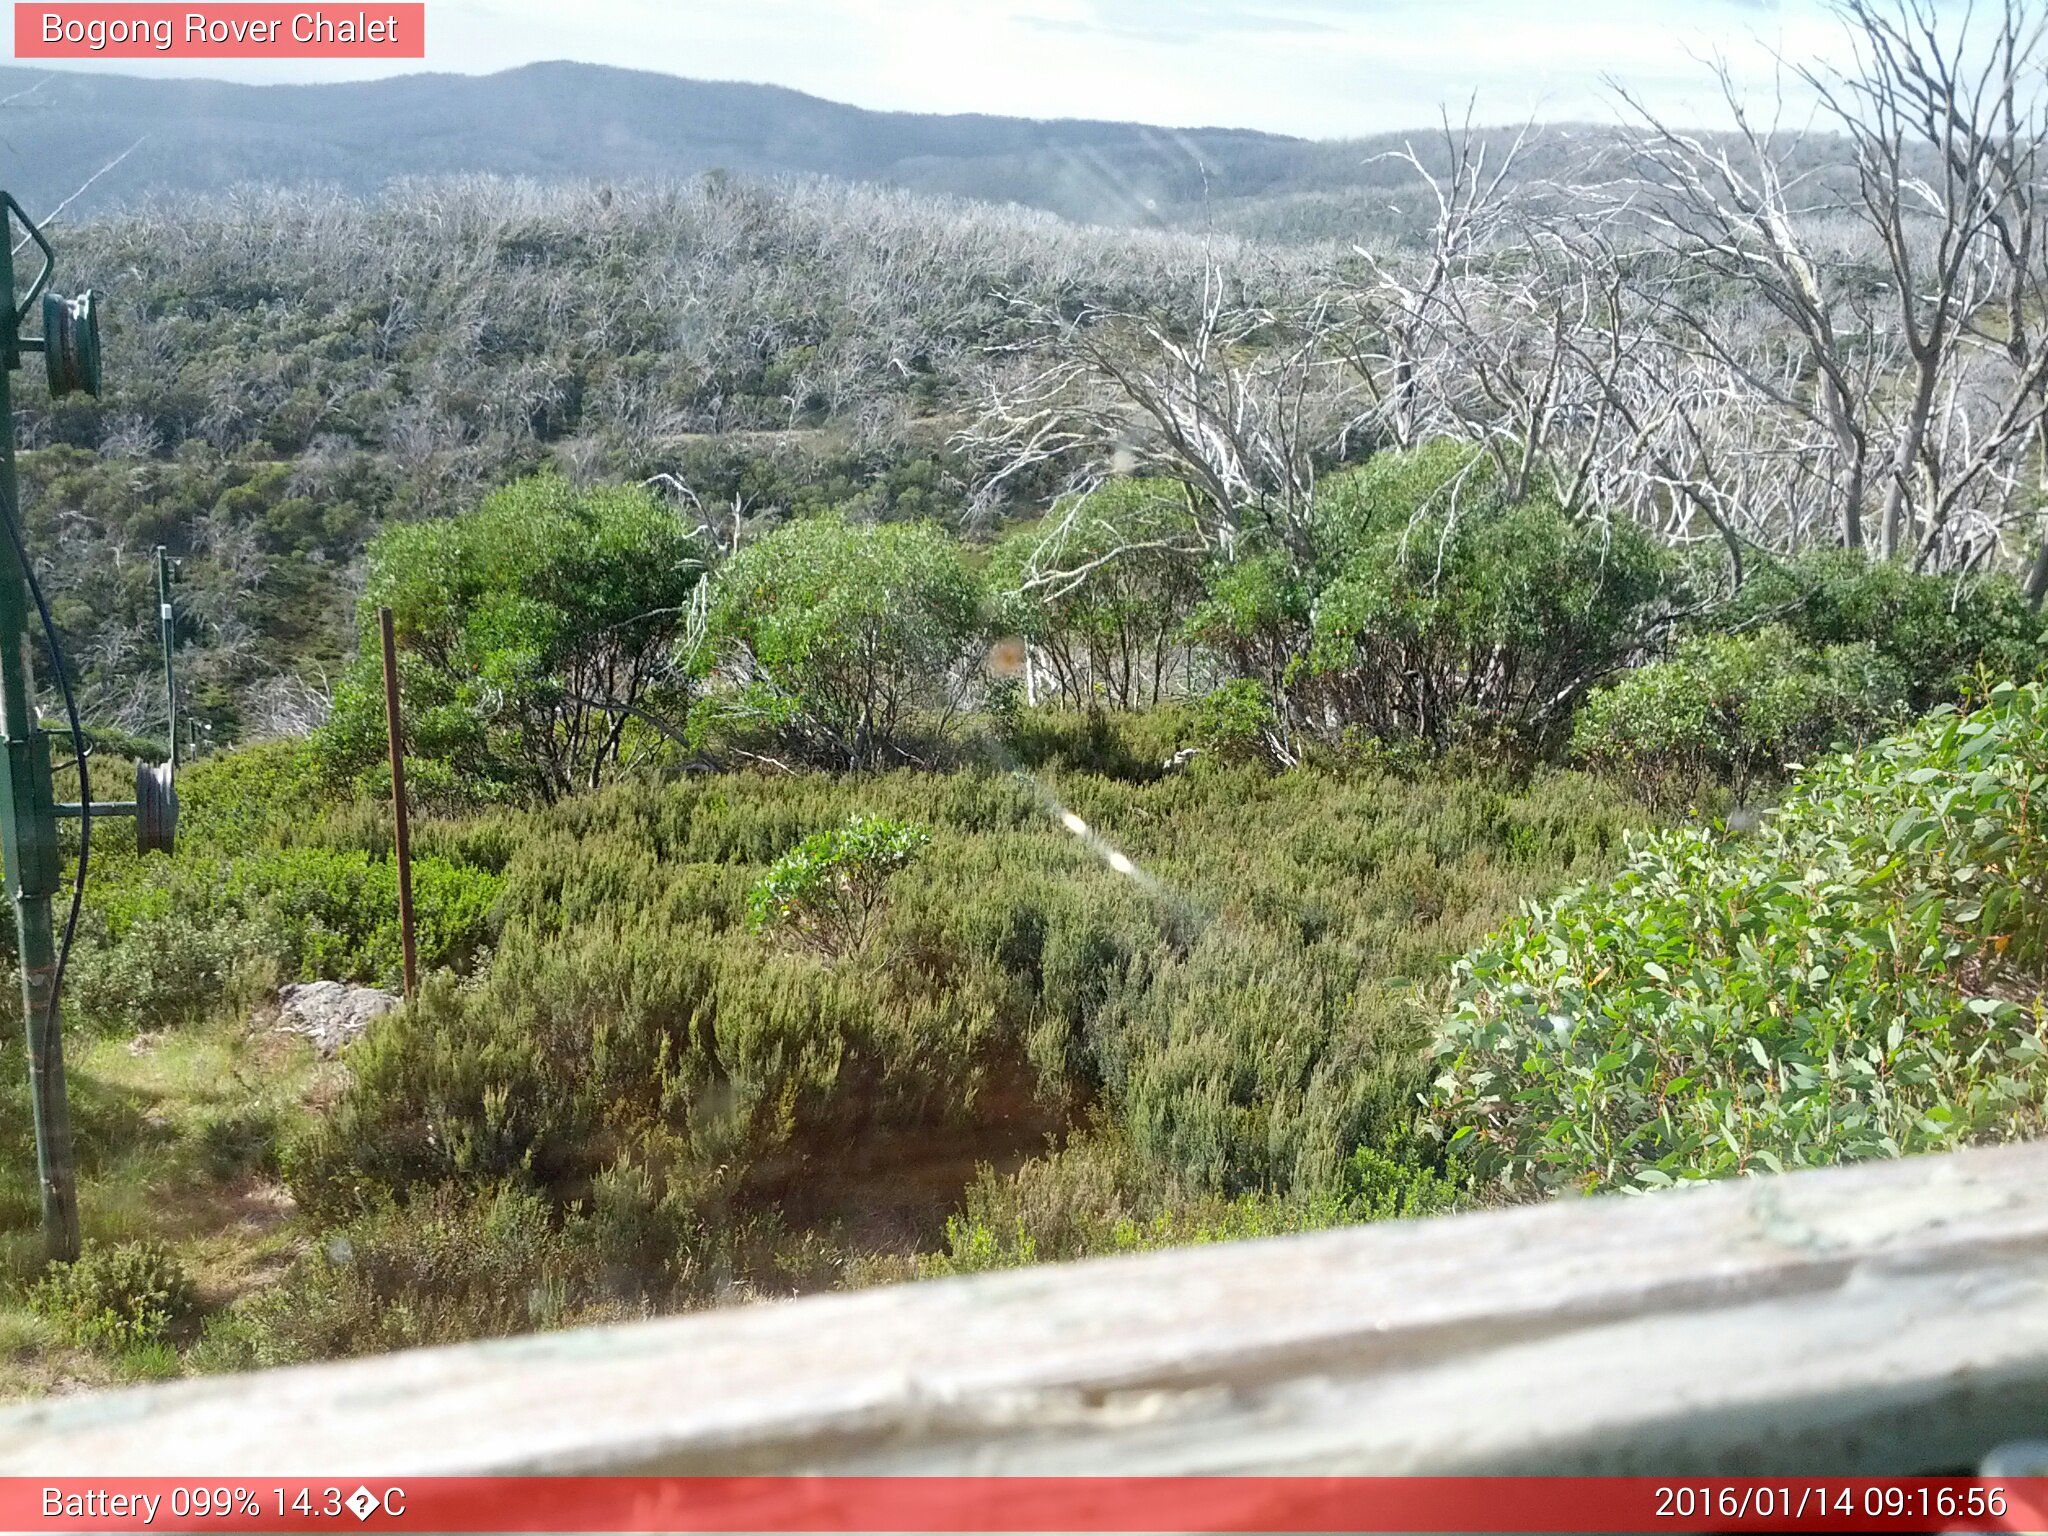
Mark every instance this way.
x=220 y=31
x=377 y=1503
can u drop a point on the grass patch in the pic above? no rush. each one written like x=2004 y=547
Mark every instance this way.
x=176 y=1138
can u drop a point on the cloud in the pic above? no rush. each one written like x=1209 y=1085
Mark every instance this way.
x=1178 y=21
x=1319 y=68
x=1189 y=21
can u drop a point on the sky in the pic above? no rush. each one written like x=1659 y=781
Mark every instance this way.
x=1319 y=68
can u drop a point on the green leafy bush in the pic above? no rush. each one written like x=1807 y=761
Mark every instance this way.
x=1860 y=979
x=1101 y=590
x=1235 y=722
x=1738 y=709
x=180 y=938
x=828 y=891
x=1255 y=615
x=1355 y=507
x=833 y=638
x=117 y=1298
x=1936 y=631
x=334 y=912
x=1445 y=609
x=538 y=639
x=160 y=954
x=232 y=802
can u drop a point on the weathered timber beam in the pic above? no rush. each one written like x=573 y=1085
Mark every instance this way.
x=1888 y=1318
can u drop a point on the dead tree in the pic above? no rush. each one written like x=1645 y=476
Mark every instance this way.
x=1238 y=399
x=1911 y=287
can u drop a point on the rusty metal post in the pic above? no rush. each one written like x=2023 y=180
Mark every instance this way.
x=396 y=731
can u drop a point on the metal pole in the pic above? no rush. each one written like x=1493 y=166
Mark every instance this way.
x=396 y=731
x=167 y=625
x=28 y=833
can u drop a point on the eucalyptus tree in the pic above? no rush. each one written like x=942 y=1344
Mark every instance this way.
x=544 y=641
x=838 y=643
x=1103 y=600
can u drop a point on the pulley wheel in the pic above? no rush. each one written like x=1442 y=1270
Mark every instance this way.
x=156 y=808
x=71 y=344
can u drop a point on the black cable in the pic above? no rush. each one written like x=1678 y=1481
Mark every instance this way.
x=35 y=590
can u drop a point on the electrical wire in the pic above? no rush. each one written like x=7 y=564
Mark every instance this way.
x=35 y=590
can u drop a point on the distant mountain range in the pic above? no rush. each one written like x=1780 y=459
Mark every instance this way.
x=566 y=120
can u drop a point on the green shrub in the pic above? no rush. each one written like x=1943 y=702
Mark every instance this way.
x=1094 y=1197
x=157 y=961
x=1134 y=746
x=334 y=913
x=1937 y=632
x=1256 y=616
x=114 y=1299
x=1455 y=611
x=240 y=1139
x=232 y=802
x=1392 y=1183
x=1857 y=980
x=833 y=639
x=537 y=636
x=1738 y=709
x=1235 y=722
x=828 y=891
x=1101 y=590
x=181 y=938
x=1356 y=507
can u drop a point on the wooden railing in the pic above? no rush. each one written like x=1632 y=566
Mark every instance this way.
x=1883 y=1319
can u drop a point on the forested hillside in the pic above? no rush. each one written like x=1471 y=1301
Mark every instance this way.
x=100 y=143
x=296 y=369
x=567 y=122
x=946 y=738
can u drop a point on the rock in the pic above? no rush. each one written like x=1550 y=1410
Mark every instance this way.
x=331 y=1013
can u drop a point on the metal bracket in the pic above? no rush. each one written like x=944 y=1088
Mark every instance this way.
x=11 y=341
x=28 y=767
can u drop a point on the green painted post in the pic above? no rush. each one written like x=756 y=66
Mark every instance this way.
x=28 y=832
